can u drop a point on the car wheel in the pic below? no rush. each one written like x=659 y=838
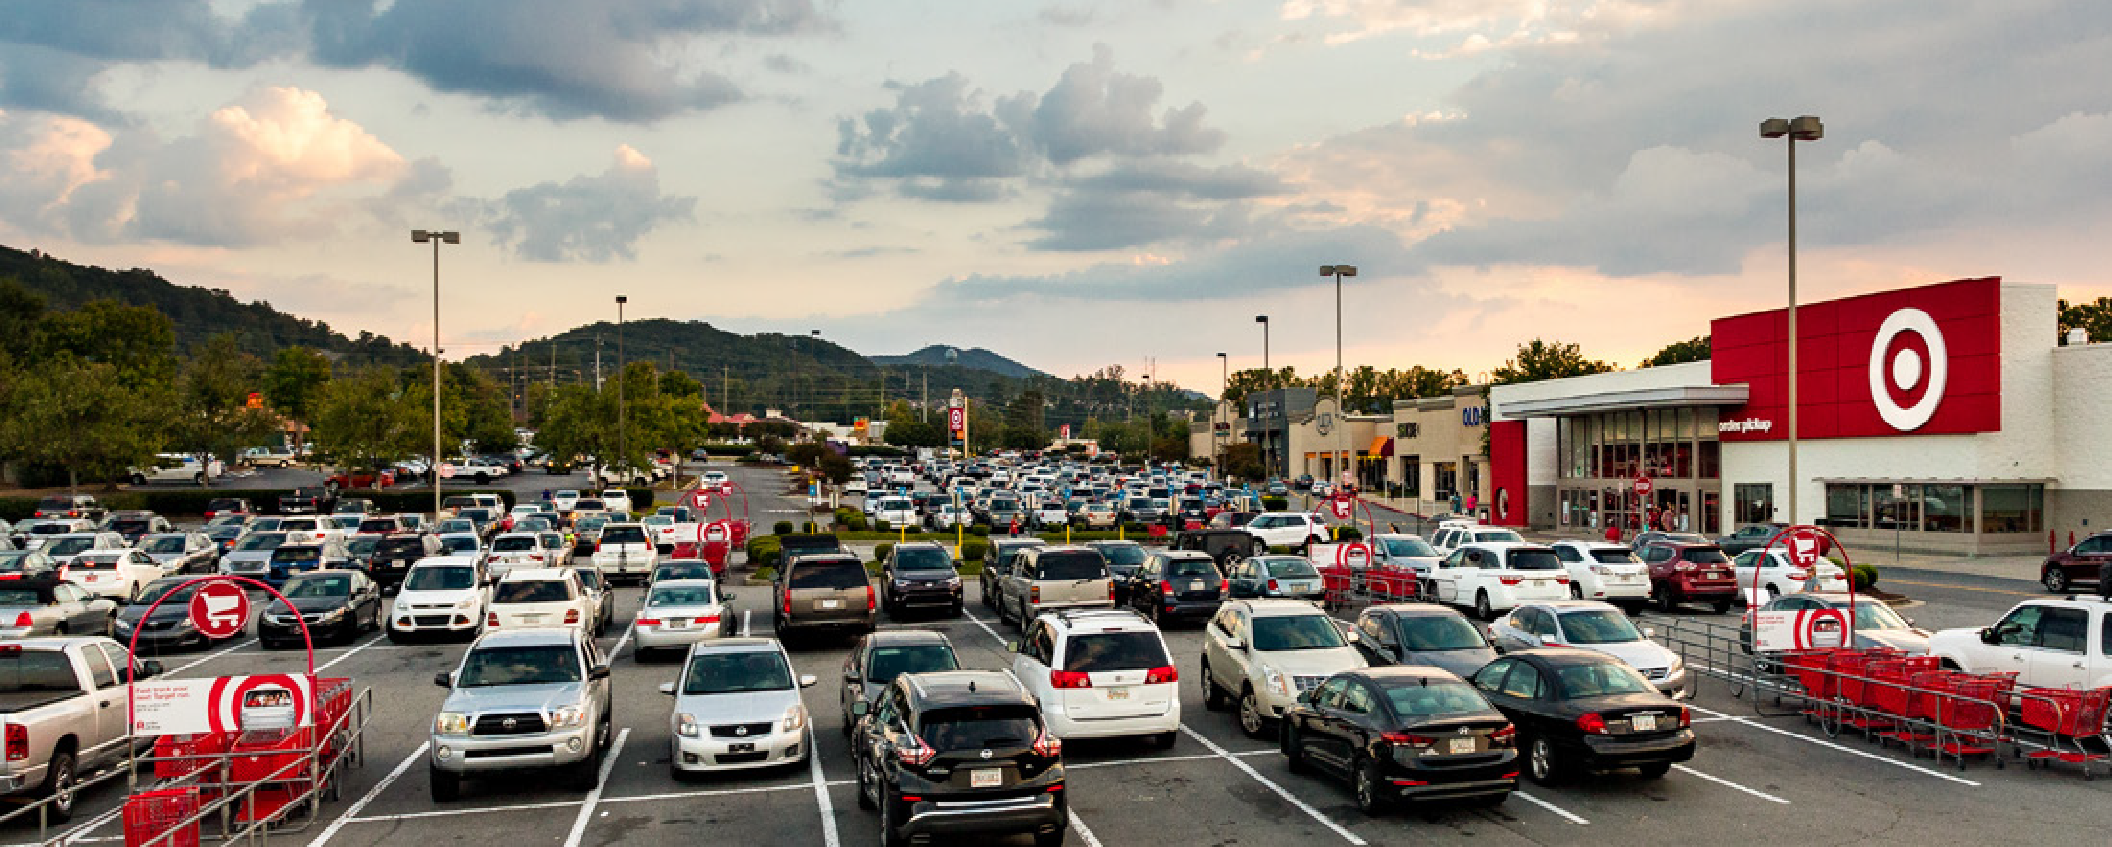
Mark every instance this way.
x=1663 y=598
x=868 y=786
x=2055 y=580
x=1576 y=591
x=1369 y=800
x=1773 y=591
x=1481 y=606
x=1654 y=770
x=1541 y=762
x=446 y=786
x=58 y=785
x=890 y=836
x=1250 y=719
x=1293 y=757
x=1213 y=697
x=957 y=610
x=1721 y=606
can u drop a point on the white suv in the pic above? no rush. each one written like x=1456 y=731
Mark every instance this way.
x=1450 y=535
x=1261 y=654
x=540 y=597
x=625 y=552
x=2049 y=643
x=1496 y=576
x=1600 y=570
x=1099 y=674
x=1287 y=529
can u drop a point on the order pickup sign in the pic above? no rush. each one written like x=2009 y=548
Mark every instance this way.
x=1805 y=629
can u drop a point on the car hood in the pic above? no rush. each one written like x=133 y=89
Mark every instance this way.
x=171 y=611
x=1312 y=662
x=247 y=556
x=1637 y=654
x=744 y=707
x=515 y=698
x=435 y=598
x=1908 y=641
x=1462 y=663
x=1953 y=641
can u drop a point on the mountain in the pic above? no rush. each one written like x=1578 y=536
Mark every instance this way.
x=974 y=359
x=197 y=313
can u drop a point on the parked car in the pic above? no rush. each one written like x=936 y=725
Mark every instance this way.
x=1221 y=545
x=394 y=554
x=1493 y=577
x=1100 y=674
x=998 y=562
x=1689 y=573
x=2048 y=643
x=47 y=605
x=2077 y=565
x=1751 y=536
x=176 y=467
x=62 y=549
x=1286 y=577
x=1403 y=733
x=517 y=550
x=1260 y=654
x=1173 y=586
x=881 y=656
x=959 y=753
x=1778 y=576
x=624 y=552
x=438 y=596
x=181 y=552
x=116 y=574
x=1579 y=710
x=1453 y=535
x=1593 y=625
x=529 y=699
x=54 y=699
x=824 y=591
x=1600 y=570
x=267 y=457
x=1422 y=634
x=1043 y=578
x=920 y=574
x=136 y=525
x=681 y=612
x=1123 y=558
x=170 y=626
x=307 y=501
x=21 y=563
x=333 y=604
x=527 y=598
x=681 y=569
x=82 y=506
x=601 y=597
x=1286 y=529
x=293 y=558
x=1096 y=515
x=251 y=556
x=737 y=706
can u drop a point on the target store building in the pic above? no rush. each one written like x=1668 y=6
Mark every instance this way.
x=1949 y=416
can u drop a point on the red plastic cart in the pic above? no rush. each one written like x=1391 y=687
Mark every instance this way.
x=152 y=815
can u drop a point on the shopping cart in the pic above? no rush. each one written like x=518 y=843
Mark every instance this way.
x=151 y=818
x=2061 y=725
x=1335 y=581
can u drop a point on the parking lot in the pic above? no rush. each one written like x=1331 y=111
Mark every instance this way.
x=1753 y=778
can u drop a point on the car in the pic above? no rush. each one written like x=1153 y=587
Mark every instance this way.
x=438 y=596
x=48 y=605
x=1173 y=586
x=357 y=507
x=57 y=701
x=1877 y=626
x=2077 y=565
x=564 y=500
x=681 y=612
x=528 y=699
x=1751 y=536
x=998 y=562
x=81 y=506
x=1664 y=537
x=2048 y=642
x=1493 y=577
x=881 y=656
x=896 y=511
x=1123 y=559
x=1451 y=535
x=463 y=545
x=251 y=556
x=63 y=548
x=528 y=598
x=394 y=555
x=327 y=604
x=737 y=707
x=117 y=574
x=293 y=558
x=1260 y=654
x=1580 y=710
x=1098 y=514
x=170 y=625
x=181 y=552
x=1222 y=545
x=618 y=500
x=1287 y=577
x=824 y=591
x=625 y=552
x=1422 y=634
x=1594 y=625
x=135 y=525
x=916 y=737
x=518 y=550
x=681 y=569
x=1100 y=673
x=21 y=563
x=948 y=516
x=1600 y=570
x=311 y=529
x=1689 y=573
x=1043 y=578
x=267 y=457
x=307 y=501
x=920 y=574
x=176 y=467
x=381 y=525
x=1777 y=576
x=601 y=597
x=1403 y=733
x=1286 y=529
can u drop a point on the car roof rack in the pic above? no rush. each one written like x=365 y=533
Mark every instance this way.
x=1069 y=615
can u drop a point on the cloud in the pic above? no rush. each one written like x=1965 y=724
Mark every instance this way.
x=1153 y=201
x=623 y=60
x=594 y=219
x=940 y=139
x=52 y=55
x=1096 y=110
x=1265 y=262
x=1474 y=25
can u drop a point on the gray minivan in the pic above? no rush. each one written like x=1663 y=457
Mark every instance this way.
x=1054 y=578
x=825 y=591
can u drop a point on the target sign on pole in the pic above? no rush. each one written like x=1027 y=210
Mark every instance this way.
x=1804 y=548
x=219 y=609
x=717 y=532
x=223 y=704
x=1805 y=629
x=1341 y=508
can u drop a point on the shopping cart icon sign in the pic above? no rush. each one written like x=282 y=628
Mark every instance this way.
x=219 y=609
x=224 y=611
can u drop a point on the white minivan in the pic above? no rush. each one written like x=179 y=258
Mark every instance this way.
x=1496 y=576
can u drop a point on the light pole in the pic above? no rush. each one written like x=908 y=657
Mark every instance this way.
x=1341 y=420
x=437 y=238
x=1224 y=395
x=1268 y=378
x=814 y=388
x=623 y=434
x=1803 y=128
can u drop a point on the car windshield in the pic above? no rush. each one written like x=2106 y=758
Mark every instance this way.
x=164 y=544
x=1705 y=556
x=589 y=504
x=1191 y=568
x=362 y=546
x=1535 y=560
x=681 y=595
x=1599 y=679
x=50 y=529
x=1115 y=651
x=458 y=544
x=129 y=526
x=1497 y=535
x=262 y=541
x=623 y=534
x=923 y=559
x=732 y=673
x=318 y=586
x=1295 y=632
x=1123 y=556
x=1871 y=615
x=299 y=525
x=890 y=662
x=53 y=503
x=1439 y=632
x=999 y=505
x=68 y=546
x=979 y=728
x=659 y=520
x=539 y=664
x=1598 y=626
x=297 y=554
x=441 y=578
x=513 y=543
x=1433 y=698
x=1409 y=547
x=532 y=591
x=24 y=671
x=378 y=525
x=828 y=573
x=1285 y=567
x=154 y=590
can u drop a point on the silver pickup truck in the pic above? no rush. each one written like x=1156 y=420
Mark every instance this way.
x=1067 y=577
x=62 y=708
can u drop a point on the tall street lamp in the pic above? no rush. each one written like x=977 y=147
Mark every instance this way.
x=437 y=238
x=1341 y=427
x=1268 y=379
x=814 y=388
x=1803 y=128
x=1223 y=395
x=623 y=430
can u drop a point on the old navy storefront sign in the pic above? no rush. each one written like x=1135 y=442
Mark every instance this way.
x=1916 y=361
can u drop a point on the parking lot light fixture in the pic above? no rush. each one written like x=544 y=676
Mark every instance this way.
x=436 y=238
x=1342 y=439
x=1802 y=128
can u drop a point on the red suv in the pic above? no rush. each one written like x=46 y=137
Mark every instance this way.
x=2078 y=564
x=1690 y=573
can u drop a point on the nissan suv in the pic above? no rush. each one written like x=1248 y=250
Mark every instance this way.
x=1689 y=573
x=956 y=753
x=525 y=699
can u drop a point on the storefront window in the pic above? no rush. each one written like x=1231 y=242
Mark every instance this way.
x=1447 y=481
x=1753 y=502
x=1946 y=508
x=1847 y=506
x=2012 y=508
x=1902 y=513
x=1711 y=464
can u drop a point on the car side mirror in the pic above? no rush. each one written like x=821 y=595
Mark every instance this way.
x=667 y=688
x=1988 y=636
x=860 y=708
x=807 y=680
x=851 y=676
x=1910 y=621
x=444 y=679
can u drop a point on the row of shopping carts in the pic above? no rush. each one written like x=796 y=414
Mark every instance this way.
x=1344 y=585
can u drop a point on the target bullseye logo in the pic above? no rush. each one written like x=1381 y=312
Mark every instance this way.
x=1899 y=367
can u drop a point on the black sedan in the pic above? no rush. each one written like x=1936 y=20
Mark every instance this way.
x=1403 y=733
x=170 y=626
x=1579 y=710
x=338 y=604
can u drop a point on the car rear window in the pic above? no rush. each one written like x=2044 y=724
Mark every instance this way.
x=979 y=728
x=1114 y=651
x=532 y=591
x=1535 y=560
x=1072 y=565
x=513 y=544
x=1615 y=557
x=1191 y=567
x=1292 y=569
x=384 y=525
x=588 y=505
x=681 y=595
x=297 y=554
x=129 y=526
x=1123 y=555
x=1705 y=556
x=1436 y=699
x=1599 y=679
x=440 y=578
x=623 y=535
x=37 y=671
x=95 y=563
x=828 y=573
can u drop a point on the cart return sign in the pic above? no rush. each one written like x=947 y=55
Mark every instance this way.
x=223 y=704
x=1804 y=629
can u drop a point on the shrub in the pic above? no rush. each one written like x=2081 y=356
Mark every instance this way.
x=974 y=549
x=880 y=552
x=979 y=531
x=1865 y=577
x=856 y=522
x=1346 y=532
x=781 y=528
x=764 y=550
x=881 y=526
x=1275 y=504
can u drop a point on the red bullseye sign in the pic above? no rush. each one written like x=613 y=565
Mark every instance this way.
x=1643 y=486
x=716 y=532
x=1355 y=555
x=268 y=701
x=219 y=609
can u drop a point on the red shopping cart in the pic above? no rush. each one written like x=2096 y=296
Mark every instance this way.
x=151 y=818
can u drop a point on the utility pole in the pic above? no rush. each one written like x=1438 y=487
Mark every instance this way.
x=725 y=389
x=553 y=363
x=925 y=403
x=597 y=361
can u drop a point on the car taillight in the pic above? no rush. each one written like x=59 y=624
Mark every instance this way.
x=571 y=616
x=1166 y=587
x=648 y=621
x=17 y=742
x=1272 y=585
x=788 y=602
x=707 y=619
x=1404 y=739
x=1224 y=586
x=1510 y=580
x=1161 y=675
x=1686 y=718
x=492 y=619
x=1799 y=575
x=1046 y=744
x=1683 y=566
x=25 y=621
x=915 y=754
x=1505 y=736
x=1070 y=679
x=1034 y=594
x=1561 y=579
x=871 y=598
x=1592 y=722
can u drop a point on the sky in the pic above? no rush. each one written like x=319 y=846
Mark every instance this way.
x=1072 y=184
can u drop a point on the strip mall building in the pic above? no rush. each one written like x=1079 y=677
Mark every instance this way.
x=1947 y=416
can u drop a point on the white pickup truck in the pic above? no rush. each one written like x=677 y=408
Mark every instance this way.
x=62 y=705
x=2049 y=643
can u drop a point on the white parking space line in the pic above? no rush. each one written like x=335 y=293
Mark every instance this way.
x=1564 y=814
x=821 y=791
x=1351 y=837
x=353 y=810
x=1743 y=721
x=1084 y=833
x=210 y=656
x=348 y=654
x=1153 y=760
x=476 y=810
x=586 y=810
x=1729 y=784
x=626 y=639
x=722 y=792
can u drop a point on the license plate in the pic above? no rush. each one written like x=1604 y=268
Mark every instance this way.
x=986 y=778
x=1461 y=746
x=829 y=604
x=1118 y=694
x=676 y=623
x=1196 y=585
x=744 y=747
x=1644 y=723
x=1718 y=575
x=531 y=618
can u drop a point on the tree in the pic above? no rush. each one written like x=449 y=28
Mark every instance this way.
x=1242 y=460
x=21 y=320
x=365 y=418
x=138 y=341
x=834 y=468
x=1023 y=423
x=2094 y=317
x=212 y=412
x=915 y=433
x=81 y=416
x=1694 y=349
x=1538 y=360
x=293 y=383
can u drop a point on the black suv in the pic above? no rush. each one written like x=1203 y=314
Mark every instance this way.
x=395 y=554
x=920 y=574
x=955 y=753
